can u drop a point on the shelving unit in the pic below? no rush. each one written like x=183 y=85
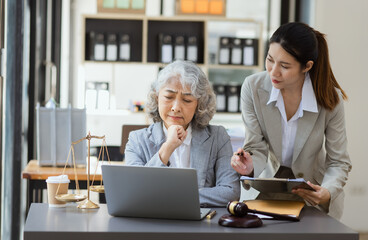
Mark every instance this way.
x=143 y=31
x=173 y=26
x=133 y=27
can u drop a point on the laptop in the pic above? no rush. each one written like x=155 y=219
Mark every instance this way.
x=152 y=192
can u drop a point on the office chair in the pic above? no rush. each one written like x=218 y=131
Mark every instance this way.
x=127 y=128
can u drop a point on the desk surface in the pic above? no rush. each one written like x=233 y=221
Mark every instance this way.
x=73 y=223
x=33 y=171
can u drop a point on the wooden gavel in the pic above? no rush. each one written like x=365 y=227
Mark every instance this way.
x=241 y=209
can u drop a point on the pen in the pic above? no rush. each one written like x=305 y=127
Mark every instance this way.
x=211 y=214
x=241 y=154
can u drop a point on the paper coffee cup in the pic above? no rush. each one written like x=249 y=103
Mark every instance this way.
x=52 y=189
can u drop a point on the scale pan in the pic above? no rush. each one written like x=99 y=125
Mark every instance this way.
x=70 y=197
x=99 y=189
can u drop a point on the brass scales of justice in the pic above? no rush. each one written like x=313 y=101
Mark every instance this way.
x=85 y=202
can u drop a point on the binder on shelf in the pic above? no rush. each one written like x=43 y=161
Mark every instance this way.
x=111 y=47
x=110 y=4
x=97 y=95
x=217 y=7
x=103 y=97
x=91 y=96
x=224 y=51
x=186 y=7
x=192 y=49
x=179 y=47
x=168 y=7
x=233 y=97
x=90 y=45
x=153 y=7
x=239 y=93
x=250 y=51
x=138 y=4
x=121 y=4
x=124 y=47
x=99 y=47
x=165 y=48
x=236 y=51
x=201 y=7
x=220 y=91
x=212 y=58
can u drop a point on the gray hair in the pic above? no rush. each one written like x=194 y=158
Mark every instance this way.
x=191 y=75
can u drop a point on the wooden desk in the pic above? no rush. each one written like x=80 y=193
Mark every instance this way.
x=37 y=175
x=72 y=223
x=33 y=171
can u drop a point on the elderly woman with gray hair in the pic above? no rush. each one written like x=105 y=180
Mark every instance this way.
x=181 y=103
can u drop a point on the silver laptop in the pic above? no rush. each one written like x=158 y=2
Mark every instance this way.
x=152 y=192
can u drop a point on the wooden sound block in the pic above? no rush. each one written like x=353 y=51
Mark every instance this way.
x=248 y=221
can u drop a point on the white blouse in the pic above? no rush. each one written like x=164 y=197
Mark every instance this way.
x=289 y=128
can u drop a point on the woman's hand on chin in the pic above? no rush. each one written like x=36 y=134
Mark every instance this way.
x=176 y=134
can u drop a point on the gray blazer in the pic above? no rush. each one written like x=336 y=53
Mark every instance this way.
x=210 y=154
x=320 y=151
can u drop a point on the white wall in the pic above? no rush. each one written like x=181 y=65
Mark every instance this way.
x=346 y=26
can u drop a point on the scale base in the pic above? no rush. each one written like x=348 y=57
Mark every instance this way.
x=87 y=204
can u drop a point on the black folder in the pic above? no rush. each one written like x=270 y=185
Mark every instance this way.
x=165 y=48
x=250 y=51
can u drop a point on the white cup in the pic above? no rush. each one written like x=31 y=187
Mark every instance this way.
x=53 y=183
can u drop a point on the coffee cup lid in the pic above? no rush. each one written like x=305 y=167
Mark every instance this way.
x=58 y=179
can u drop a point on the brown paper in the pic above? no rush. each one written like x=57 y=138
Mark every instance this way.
x=285 y=207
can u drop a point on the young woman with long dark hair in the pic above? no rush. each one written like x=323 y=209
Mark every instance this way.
x=294 y=120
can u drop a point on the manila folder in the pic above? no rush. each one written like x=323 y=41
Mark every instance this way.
x=284 y=207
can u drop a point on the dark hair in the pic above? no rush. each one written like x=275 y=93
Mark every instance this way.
x=306 y=44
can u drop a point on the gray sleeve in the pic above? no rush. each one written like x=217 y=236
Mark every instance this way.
x=254 y=139
x=140 y=152
x=227 y=184
x=338 y=163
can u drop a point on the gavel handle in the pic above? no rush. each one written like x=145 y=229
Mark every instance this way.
x=275 y=215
